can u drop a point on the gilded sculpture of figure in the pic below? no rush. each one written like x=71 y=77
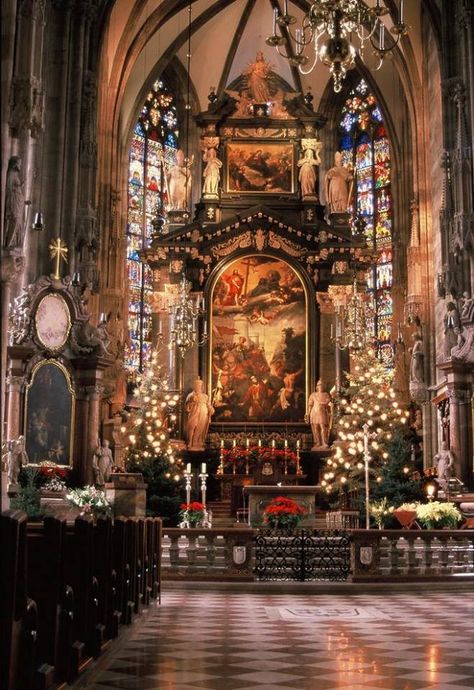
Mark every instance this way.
x=444 y=462
x=307 y=175
x=319 y=416
x=257 y=79
x=416 y=362
x=17 y=458
x=178 y=181
x=199 y=411
x=14 y=205
x=102 y=462
x=212 y=172
x=338 y=179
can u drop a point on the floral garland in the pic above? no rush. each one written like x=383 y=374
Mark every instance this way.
x=250 y=457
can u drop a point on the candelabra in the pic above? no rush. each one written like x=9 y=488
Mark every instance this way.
x=184 y=312
x=331 y=27
x=188 y=477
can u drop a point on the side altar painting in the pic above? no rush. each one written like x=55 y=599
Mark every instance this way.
x=49 y=415
x=258 y=343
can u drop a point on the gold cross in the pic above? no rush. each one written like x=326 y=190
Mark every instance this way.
x=58 y=251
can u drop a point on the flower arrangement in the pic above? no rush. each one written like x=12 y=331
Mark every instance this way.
x=283 y=513
x=92 y=501
x=192 y=514
x=380 y=511
x=436 y=515
x=50 y=469
x=54 y=484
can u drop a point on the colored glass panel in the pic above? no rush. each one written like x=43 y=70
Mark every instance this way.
x=153 y=148
x=364 y=145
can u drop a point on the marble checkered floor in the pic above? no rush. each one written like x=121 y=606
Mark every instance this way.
x=198 y=640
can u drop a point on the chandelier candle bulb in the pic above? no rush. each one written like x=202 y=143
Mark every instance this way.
x=275 y=15
x=203 y=468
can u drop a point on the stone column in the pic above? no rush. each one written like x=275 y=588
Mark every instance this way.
x=460 y=417
x=15 y=386
x=12 y=266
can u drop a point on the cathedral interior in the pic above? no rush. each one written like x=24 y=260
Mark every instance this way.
x=237 y=259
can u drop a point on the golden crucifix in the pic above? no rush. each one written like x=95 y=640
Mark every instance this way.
x=58 y=251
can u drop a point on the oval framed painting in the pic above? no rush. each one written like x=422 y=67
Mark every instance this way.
x=52 y=322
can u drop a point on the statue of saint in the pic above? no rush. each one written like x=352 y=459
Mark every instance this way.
x=452 y=328
x=17 y=458
x=257 y=79
x=102 y=463
x=178 y=182
x=14 y=206
x=319 y=416
x=444 y=462
x=337 y=186
x=307 y=175
x=212 y=172
x=199 y=411
x=416 y=362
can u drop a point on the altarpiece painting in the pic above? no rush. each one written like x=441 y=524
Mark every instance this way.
x=258 y=342
x=260 y=167
x=49 y=414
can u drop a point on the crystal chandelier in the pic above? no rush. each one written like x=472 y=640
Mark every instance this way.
x=184 y=312
x=354 y=322
x=329 y=29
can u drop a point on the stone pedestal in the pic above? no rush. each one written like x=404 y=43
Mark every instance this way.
x=260 y=496
x=127 y=493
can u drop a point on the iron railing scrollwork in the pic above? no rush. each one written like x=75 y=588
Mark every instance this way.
x=302 y=555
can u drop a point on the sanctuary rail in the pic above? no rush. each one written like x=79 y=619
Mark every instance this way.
x=412 y=555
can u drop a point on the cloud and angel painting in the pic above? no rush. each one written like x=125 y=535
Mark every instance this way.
x=258 y=343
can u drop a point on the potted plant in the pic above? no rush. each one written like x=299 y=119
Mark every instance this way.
x=283 y=513
x=380 y=511
x=90 y=501
x=406 y=514
x=192 y=514
x=438 y=515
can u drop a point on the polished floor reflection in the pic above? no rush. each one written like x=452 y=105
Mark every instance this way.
x=237 y=641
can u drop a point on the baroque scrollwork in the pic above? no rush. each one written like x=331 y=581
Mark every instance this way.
x=278 y=242
x=226 y=248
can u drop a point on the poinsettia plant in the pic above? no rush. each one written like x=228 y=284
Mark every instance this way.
x=192 y=513
x=283 y=513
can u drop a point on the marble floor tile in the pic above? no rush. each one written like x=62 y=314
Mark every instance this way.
x=199 y=640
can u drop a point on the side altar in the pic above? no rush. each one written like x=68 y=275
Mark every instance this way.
x=258 y=497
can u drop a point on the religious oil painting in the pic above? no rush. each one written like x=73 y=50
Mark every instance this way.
x=258 y=343
x=49 y=414
x=260 y=167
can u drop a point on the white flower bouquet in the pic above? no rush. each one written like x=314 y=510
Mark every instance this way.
x=92 y=501
x=436 y=515
x=54 y=484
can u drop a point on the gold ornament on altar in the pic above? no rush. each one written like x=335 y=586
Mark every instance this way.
x=58 y=250
x=354 y=319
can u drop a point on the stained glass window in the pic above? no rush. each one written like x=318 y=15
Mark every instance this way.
x=153 y=146
x=365 y=149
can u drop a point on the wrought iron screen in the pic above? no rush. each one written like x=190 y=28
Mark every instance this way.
x=302 y=555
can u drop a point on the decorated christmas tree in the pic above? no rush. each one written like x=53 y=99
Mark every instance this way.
x=368 y=399
x=150 y=449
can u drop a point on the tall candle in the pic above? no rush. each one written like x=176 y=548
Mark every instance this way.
x=222 y=443
x=234 y=443
x=259 y=442
x=273 y=443
x=203 y=468
x=247 y=442
x=298 y=443
x=286 y=443
x=188 y=468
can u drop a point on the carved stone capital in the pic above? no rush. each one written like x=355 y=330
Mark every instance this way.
x=15 y=384
x=94 y=392
x=458 y=396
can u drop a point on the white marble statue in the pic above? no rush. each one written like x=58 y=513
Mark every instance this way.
x=416 y=362
x=319 y=416
x=199 y=411
x=337 y=186
x=102 y=463
x=212 y=172
x=17 y=458
x=14 y=206
x=179 y=176
x=444 y=460
x=307 y=175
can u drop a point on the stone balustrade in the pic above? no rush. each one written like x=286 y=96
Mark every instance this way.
x=376 y=555
x=409 y=555
x=199 y=553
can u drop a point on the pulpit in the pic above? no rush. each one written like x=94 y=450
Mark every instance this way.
x=258 y=497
